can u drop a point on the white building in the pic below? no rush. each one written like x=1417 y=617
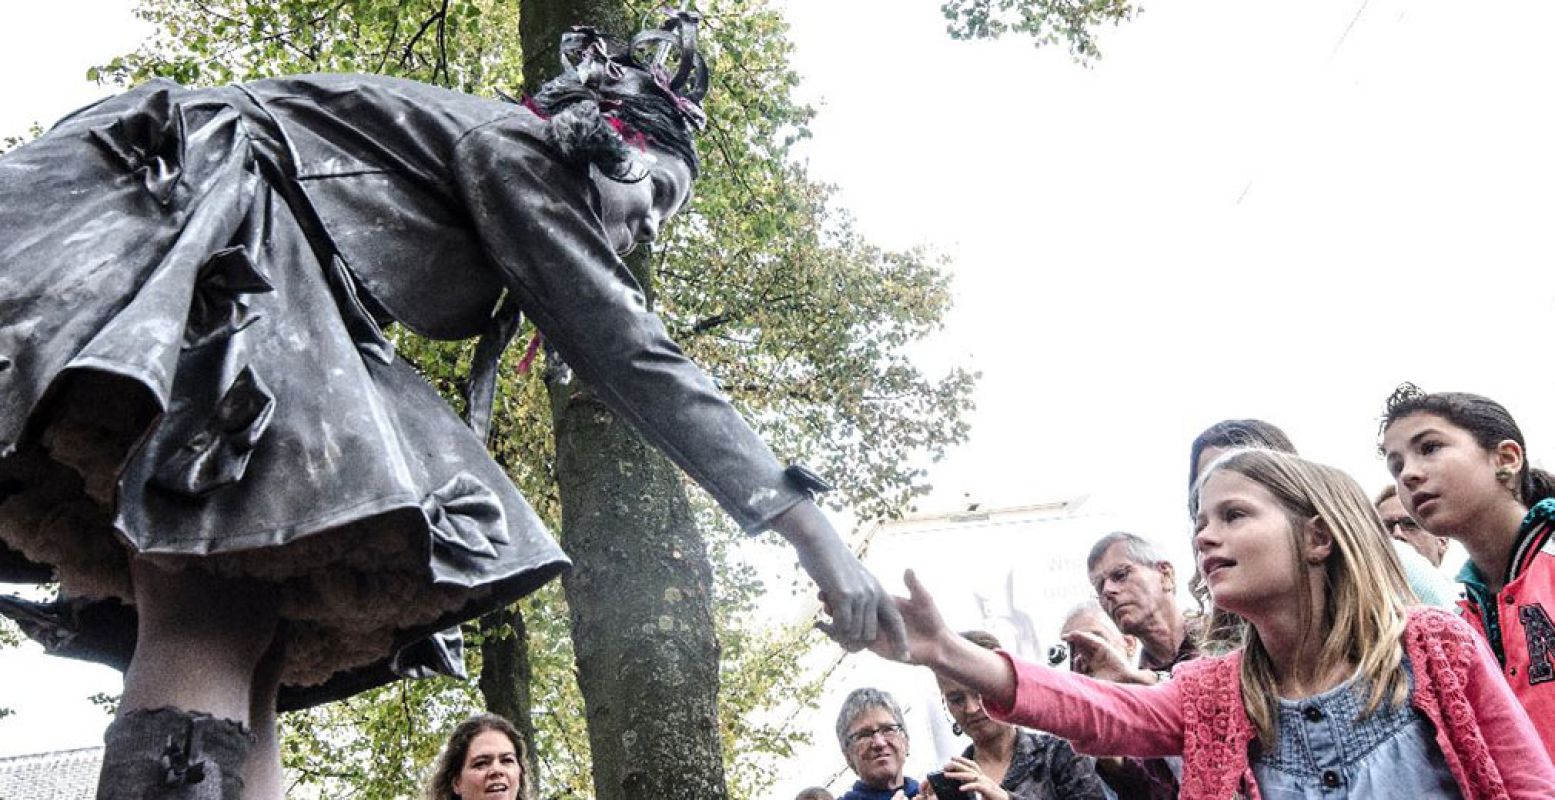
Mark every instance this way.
x=50 y=776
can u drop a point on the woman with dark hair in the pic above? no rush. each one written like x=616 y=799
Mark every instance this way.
x=484 y=759
x=1461 y=466
x=207 y=439
x=1231 y=434
x=1009 y=763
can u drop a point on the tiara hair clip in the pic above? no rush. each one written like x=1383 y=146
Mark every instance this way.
x=589 y=54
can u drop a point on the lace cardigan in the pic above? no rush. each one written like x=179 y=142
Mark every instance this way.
x=1485 y=736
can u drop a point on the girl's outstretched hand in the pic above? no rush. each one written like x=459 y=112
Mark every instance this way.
x=931 y=643
x=925 y=628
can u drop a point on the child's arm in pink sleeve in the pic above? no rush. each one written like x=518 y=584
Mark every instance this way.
x=1099 y=718
x=1515 y=747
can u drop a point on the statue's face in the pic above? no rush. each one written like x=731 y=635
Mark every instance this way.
x=632 y=213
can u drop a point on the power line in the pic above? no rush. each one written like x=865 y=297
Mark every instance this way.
x=1348 y=28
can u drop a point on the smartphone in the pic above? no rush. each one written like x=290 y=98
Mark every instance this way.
x=946 y=788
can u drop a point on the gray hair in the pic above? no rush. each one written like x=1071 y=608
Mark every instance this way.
x=1137 y=548
x=859 y=701
x=1088 y=607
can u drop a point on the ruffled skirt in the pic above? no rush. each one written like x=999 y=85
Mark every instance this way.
x=187 y=375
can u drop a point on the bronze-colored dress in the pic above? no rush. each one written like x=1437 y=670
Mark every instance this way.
x=193 y=286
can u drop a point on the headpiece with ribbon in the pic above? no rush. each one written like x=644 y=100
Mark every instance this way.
x=597 y=60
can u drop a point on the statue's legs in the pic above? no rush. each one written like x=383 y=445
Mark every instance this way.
x=262 y=773
x=185 y=723
x=168 y=754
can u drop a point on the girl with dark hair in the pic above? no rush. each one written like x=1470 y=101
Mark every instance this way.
x=1338 y=688
x=1461 y=467
x=483 y=760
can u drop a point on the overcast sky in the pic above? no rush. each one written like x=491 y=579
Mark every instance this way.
x=1277 y=210
x=1240 y=211
x=45 y=50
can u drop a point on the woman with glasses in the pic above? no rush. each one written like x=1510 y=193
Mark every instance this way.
x=1009 y=763
x=873 y=736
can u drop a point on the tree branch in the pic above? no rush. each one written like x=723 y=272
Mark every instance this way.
x=442 y=46
x=394 y=33
x=408 y=59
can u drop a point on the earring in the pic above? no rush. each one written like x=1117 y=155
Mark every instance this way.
x=1503 y=474
x=955 y=727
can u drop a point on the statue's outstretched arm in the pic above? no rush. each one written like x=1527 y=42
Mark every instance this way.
x=536 y=222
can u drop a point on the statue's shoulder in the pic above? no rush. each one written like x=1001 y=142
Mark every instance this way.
x=341 y=123
x=380 y=101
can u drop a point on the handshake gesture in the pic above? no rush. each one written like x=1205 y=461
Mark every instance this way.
x=861 y=613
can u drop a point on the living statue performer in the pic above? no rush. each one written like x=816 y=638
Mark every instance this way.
x=206 y=438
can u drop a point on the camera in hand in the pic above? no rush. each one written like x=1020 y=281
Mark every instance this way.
x=947 y=788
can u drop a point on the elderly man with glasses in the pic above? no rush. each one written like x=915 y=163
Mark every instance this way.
x=1137 y=587
x=1420 y=552
x=1402 y=527
x=873 y=736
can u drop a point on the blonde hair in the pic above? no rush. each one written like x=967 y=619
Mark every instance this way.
x=1363 y=620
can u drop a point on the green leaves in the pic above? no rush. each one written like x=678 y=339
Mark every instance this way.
x=462 y=44
x=8 y=142
x=805 y=324
x=761 y=667
x=377 y=745
x=1047 y=22
x=10 y=636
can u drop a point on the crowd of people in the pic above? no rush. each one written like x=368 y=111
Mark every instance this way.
x=1314 y=666
x=1323 y=659
x=1328 y=656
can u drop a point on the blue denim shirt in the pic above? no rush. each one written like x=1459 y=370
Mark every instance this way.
x=1327 y=752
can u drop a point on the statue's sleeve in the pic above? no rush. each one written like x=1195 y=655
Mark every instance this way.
x=536 y=221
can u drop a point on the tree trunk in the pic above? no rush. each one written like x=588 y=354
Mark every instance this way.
x=642 y=625
x=505 y=677
x=640 y=588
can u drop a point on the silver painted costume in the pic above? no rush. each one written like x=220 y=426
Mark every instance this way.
x=193 y=288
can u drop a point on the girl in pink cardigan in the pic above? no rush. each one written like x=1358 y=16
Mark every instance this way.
x=1338 y=689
